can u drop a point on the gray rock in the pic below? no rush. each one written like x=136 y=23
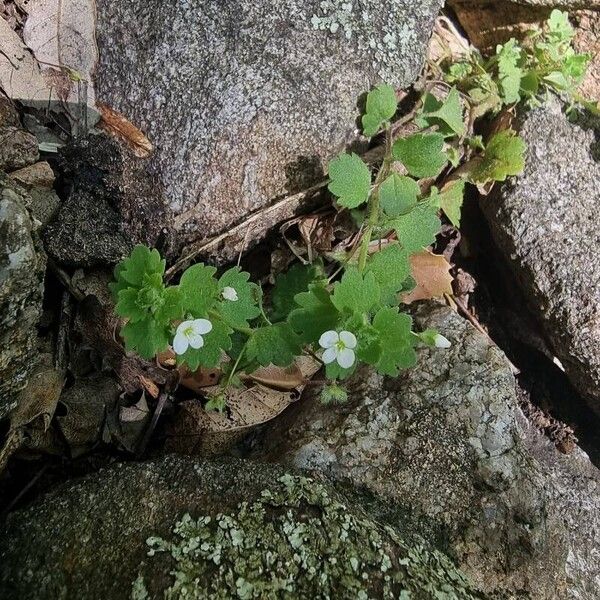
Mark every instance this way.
x=9 y=116
x=447 y=441
x=21 y=285
x=546 y=224
x=183 y=528
x=17 y=148
x=246 y=101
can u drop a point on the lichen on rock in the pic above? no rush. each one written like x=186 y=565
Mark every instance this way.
x=182 y=528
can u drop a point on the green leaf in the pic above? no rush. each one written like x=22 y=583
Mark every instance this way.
x=316 y=314
x=239 y=312
x=200 y=289
x=288 y=285
x=450 y=201
x=216 y=341
x=559 y=28
x=449 y=113
x=171 y=307
x=391 y=268
x=396 y=340
x=504 y=155
x=398 y=195
x=356 y=293
x=418 y=229
x=274 y=344
x=509 y=73
x=381 y=107
x=141 y=262
x=350 y=180
x=422 y=154
x=128 y=308
x=146 y=337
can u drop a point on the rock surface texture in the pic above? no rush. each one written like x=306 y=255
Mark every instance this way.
x=21 y=285
x=545 y=222
x=182 y=528
x=246 y=101
x=447 y=441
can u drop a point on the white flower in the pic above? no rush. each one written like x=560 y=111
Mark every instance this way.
x=189 y=334
x=338 y=346
x=442 y=342
x=229 y=293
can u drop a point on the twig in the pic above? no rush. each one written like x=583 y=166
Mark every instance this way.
x=18 y=497
x=170 y=386
x=65 y=280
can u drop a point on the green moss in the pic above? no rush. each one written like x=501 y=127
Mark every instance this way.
x=299 y=541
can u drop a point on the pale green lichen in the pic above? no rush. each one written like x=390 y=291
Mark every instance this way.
x=385 y=37
x=298 y=541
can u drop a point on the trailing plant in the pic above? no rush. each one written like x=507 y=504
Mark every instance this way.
x=523 y=72
x=350 y=314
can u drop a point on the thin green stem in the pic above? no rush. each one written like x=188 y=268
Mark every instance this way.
x=373 y=205
x=234 y=368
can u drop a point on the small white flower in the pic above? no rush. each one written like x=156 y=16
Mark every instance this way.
x=338 y=346
x=442 y=342
x=189 y=334
x=229 y=293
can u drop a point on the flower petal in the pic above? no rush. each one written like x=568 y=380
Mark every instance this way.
x=346 y=358
x=196 y=341
x=348 y=338
x=202 y=326
x=329 y=339
x=329 y=355
x=183 y=326
x=229 y=293
x=442 y=342
x=180 y=343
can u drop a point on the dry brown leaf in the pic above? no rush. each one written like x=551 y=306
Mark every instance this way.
x=196 y=431
x=431 y=272
x=279 y=378
x=116 y=124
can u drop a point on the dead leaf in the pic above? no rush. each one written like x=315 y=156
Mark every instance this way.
x=196 y=431
x=125 y=425
x=431 y=272
x=278 y=378
x=63 y=33
x=35 y=408
x=22 y=79
x=116 y=124
x=62 y=36
x=137 y=412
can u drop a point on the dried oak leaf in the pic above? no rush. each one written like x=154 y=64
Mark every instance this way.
x=432 y=275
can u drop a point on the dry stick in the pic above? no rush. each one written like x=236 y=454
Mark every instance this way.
x=18 y=497
x=287 y=206
x=170 y=386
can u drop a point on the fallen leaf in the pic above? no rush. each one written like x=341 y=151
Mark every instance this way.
x=137 y=412
x=196 y=431
x=22 y=79
x=431 y=272
x=279 y=378
x=116 y=124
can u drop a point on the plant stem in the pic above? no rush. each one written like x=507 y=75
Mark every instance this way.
x=373 y=205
